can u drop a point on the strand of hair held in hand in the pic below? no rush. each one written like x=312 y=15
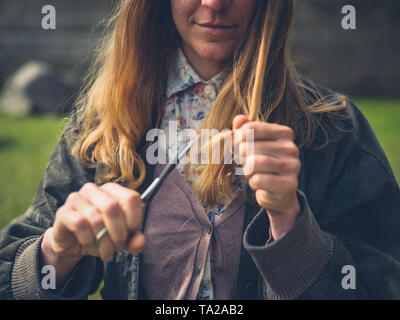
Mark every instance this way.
x=257 y=92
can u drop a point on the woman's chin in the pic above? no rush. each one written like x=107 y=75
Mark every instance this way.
x=216 y=52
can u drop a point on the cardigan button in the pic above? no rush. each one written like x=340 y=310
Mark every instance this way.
x=208 y=229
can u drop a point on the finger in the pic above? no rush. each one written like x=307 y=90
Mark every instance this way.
x=136 y=242
x=238 y=137
x=130 y=202
x=267 y=131
x=259 y=163
x=105 y=248
x=273 y=203
x=76 y=224
x=276 y=148
x=275 y=184
x=80 y=204
x=111 y=212
x=239 y=121
x=264 y=198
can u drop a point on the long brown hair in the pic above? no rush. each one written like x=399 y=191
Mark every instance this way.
x=125 y=90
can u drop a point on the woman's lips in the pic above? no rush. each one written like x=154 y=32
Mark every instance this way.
x=216 y=29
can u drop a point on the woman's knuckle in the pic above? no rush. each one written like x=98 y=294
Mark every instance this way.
x=111 y=209
x=295 y=151
x=286 y=132
x=250 y=165
x=288 y=145
x=292 y=166
x=133 y=198
x=282 y=149
x=289 y=165
x=97 y=222
x=79 y=224
x=265 y=162
x=251 y=183
x=91 y=212
x=60 y=216
x=72 y=197
x=262 y=195
x=289 y=148
x=290 y=132
x=255 y=181
x=108 y=184
x=87 y=187
x=253 y=161
x=60 y=211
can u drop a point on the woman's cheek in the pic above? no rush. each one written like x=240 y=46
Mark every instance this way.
x=182 y=12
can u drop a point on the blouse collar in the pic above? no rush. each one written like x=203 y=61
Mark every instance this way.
x=182 y=76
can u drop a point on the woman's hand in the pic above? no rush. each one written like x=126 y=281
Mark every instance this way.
x=83 y=215
x=272 y=171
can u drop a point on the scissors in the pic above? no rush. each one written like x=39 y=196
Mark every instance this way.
x=148 y=194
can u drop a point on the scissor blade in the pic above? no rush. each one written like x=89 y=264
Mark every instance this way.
x=186 y=148
x=149 y=192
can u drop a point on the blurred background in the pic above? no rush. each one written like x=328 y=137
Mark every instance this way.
x=40 y=71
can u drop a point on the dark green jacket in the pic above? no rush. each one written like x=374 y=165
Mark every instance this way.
x=350 y=215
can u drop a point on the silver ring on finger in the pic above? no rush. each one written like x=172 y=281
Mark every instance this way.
x=99 y=236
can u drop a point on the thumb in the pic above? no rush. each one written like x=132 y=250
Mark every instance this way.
x=136 y=242
x=239 y=121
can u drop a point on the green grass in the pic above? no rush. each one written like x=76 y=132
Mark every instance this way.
x=25 y=147
x=384 y=116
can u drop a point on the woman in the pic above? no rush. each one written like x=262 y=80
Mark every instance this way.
x=320 y=197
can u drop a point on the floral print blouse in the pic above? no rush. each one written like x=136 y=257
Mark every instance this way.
x=189 y=99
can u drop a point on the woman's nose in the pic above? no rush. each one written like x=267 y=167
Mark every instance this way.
x=215 y=4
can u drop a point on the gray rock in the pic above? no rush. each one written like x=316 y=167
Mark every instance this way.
x=35 y=89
